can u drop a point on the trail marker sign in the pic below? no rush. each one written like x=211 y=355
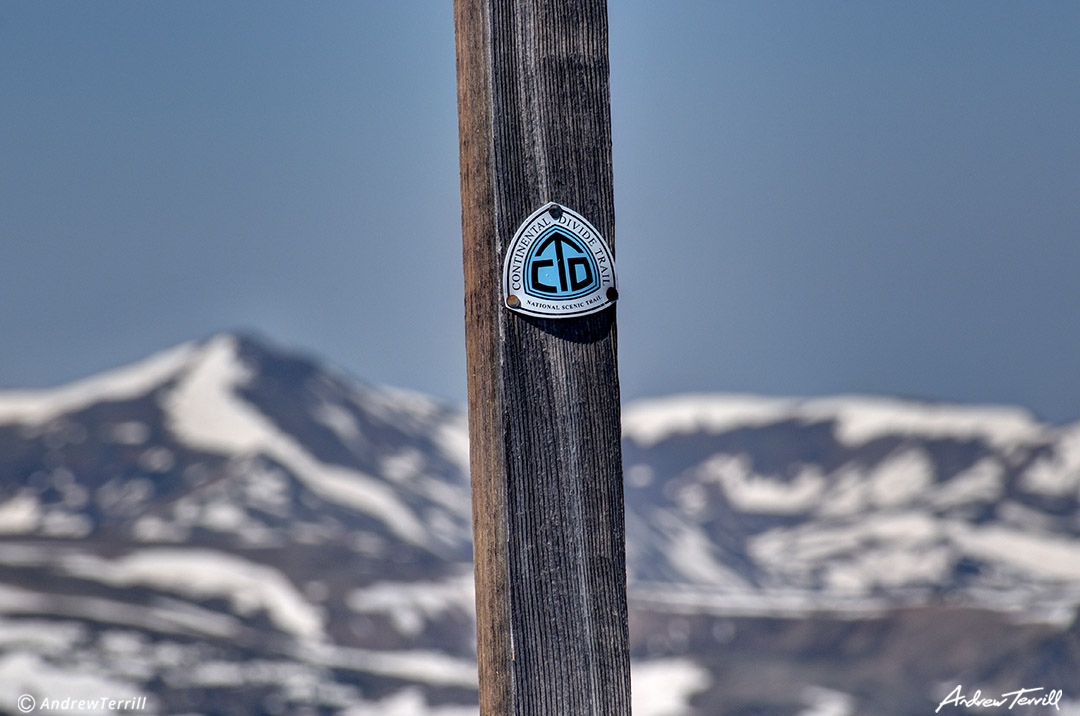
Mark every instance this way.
x=558 y=265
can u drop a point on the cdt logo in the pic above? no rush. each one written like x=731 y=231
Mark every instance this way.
x=558 y=265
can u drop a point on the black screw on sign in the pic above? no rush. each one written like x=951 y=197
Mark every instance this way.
x=549 y=538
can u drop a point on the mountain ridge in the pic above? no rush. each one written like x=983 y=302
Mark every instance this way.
x=259 y=533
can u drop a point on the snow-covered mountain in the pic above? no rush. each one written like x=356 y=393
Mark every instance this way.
x=226 y=528
x=854 y=555
x=862 y=502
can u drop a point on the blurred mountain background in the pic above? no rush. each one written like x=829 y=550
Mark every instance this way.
x=231 y=528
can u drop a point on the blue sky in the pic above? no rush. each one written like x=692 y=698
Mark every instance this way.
x=812 y=197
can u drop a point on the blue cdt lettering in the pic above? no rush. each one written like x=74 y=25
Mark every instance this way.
x=560 y=266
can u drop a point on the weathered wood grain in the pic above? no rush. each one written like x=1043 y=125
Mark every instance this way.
x=534 y=116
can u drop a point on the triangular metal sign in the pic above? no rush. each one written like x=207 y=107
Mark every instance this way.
x=558 y=266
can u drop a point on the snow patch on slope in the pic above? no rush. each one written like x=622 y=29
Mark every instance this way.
x=203 y=410
x=648 y=422
x=1058 y=474
x=339 y=420
x=982 y=482
x=900 y=478
x=1041 y=556
x=908 y=549
x=20 y=514
x=411 y=604
x=693 y=554
x=42 y=636
x=827 y=702
x=33 y=407
x=664 y=687
x=204 y=574
x=861 y=419
x=453 y=439
x=750 y=492
x=883 y=549
x=858 y=419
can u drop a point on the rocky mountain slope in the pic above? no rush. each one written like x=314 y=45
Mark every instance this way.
x=855 y=555
x=225 y=528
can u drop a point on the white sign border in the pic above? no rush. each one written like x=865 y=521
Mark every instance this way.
x=519 y=301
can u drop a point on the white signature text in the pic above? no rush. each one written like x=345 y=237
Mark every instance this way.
x=1021 y=697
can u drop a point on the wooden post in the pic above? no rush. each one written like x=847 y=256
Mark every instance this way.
x=534 y=113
